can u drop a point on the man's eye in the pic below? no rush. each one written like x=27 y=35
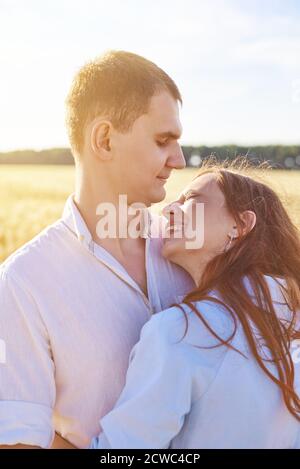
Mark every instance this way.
x=162 y=143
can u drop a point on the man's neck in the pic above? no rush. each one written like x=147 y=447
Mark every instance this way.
x=88 y=195
x=130 y=252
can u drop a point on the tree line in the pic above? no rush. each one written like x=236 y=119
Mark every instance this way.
x=279 y=156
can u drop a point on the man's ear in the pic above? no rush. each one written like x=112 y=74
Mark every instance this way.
x=100 y=139
x=248 y=219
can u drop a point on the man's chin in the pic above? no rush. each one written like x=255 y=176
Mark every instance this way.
x=158 y=196
x=152 y=197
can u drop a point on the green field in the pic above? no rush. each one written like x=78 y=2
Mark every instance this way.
x=33 y=197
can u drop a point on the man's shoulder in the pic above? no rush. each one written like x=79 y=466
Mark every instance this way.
x=40 y=247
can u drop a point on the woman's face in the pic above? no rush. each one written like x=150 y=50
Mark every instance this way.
x=199 y=224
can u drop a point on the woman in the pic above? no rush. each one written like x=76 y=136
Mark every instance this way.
x=219 y=370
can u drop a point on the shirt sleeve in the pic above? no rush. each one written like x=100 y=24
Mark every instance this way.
x=27 y=386
x=157 y=395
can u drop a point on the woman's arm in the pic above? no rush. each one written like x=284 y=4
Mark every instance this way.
x=157 y=395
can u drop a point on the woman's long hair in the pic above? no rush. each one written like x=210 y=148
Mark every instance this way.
x=271 y=248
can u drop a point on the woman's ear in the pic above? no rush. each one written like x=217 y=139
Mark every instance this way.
x=100 y=139
x=248 y=219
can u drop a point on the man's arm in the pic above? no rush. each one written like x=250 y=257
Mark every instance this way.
x=58 y=443
x=27 y=381
x=18 y=447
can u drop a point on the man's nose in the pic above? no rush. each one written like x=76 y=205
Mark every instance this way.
x=177 y=159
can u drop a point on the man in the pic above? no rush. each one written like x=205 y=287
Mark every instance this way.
x=72 y=304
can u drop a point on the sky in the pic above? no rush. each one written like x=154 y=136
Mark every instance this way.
x=236 y=62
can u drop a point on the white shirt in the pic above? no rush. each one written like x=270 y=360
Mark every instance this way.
x=180 y=396
x=69 y=317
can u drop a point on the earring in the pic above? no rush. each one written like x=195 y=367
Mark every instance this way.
x=227 y=247
x=232 y=237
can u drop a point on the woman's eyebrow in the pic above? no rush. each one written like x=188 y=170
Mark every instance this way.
x=192 y=193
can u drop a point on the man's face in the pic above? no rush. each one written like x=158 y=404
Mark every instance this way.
x=145 y=156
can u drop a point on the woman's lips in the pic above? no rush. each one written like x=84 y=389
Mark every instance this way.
x=174 y=229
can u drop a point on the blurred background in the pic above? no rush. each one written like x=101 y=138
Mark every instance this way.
x=236 y=62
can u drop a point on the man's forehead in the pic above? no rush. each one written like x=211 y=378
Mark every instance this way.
x=164 y=109
x=167 y=126
x=162 y=118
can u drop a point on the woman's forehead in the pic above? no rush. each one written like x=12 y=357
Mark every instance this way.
x=204 y=183
x=207 y=185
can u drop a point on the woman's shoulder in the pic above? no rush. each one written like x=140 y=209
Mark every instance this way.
x=186 y=323
x=202 y=322
x=277 y=287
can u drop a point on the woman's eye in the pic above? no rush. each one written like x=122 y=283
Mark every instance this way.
x=188 y=197
x=193 y=197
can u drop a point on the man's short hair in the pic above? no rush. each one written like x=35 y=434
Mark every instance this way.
x=118 y=86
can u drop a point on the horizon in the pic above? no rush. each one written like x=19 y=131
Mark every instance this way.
x=38 y=150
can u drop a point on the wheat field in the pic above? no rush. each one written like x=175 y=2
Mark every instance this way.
x=32 y=197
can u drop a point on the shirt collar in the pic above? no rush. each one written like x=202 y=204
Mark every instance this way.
x=75 y=222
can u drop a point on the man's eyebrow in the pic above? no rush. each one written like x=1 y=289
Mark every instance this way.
x=169 y=134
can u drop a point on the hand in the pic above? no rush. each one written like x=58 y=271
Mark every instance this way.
x=60 y=443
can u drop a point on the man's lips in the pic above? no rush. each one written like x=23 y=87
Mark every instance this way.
x=163 y=178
